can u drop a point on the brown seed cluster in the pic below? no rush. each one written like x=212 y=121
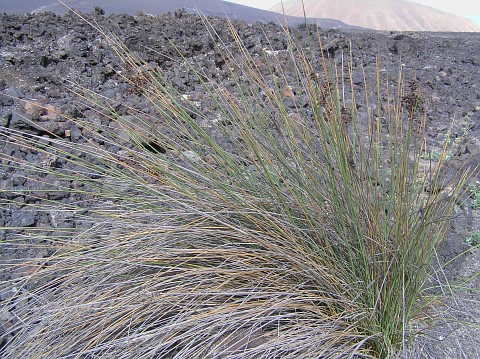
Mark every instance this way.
x=412 y=101
x=138 y=78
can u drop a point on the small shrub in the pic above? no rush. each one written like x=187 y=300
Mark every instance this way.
x=474 y=192
x=474 y=239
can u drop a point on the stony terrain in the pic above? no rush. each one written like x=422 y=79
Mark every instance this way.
x=218 y=8
x=42 y=54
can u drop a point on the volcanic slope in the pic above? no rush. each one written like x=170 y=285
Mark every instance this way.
x=393 y=15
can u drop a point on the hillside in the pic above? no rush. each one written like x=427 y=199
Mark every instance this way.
x=397 y=15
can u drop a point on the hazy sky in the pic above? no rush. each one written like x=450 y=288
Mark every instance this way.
x=470 y=8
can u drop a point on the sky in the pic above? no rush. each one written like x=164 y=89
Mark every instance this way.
x=468 y=8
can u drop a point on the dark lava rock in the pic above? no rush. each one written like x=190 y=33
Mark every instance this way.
x=42 y=55
x=22 y=218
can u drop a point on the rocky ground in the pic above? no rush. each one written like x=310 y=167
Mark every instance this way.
x=42 y=54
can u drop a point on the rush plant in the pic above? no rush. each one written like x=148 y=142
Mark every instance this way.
x=278 y=231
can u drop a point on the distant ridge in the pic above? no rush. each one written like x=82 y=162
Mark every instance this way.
x=397 y=15
x=157 y=7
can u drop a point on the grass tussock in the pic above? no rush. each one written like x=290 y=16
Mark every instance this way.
x=259 y=231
